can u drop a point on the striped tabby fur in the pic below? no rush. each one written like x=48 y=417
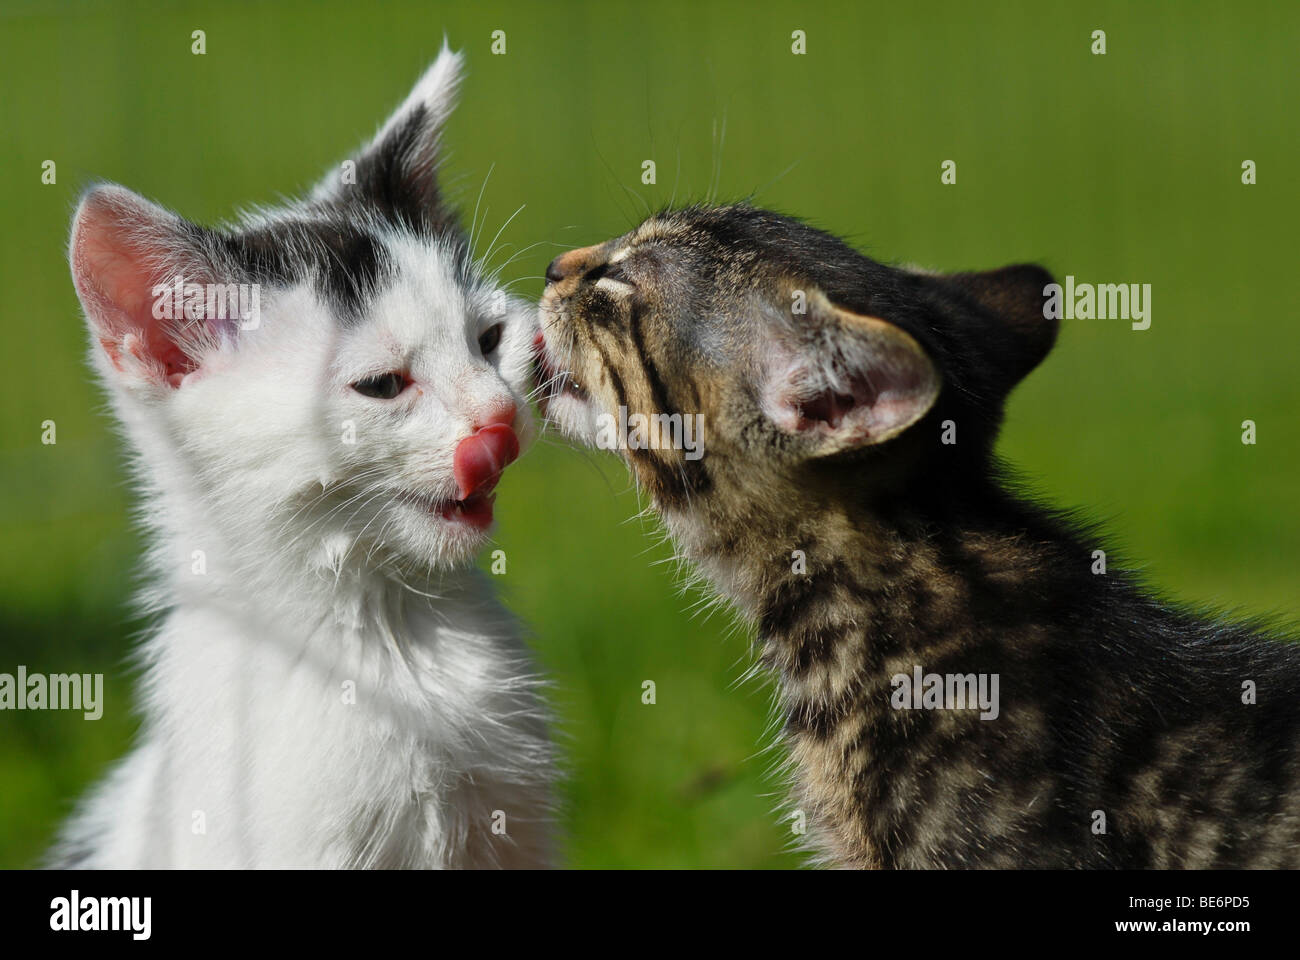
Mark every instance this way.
x=1124 y=737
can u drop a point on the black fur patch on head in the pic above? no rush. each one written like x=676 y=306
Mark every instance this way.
x=397 y=180
x=349 y=263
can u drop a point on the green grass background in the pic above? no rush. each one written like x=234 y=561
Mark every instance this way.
x=1117 y=168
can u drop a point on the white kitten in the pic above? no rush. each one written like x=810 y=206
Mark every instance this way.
x=331 y=684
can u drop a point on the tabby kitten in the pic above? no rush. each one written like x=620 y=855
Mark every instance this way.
x=959 y=687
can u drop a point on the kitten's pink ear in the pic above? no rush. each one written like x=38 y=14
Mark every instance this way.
x=840 y=379
x=124 y=250
x=397 y=172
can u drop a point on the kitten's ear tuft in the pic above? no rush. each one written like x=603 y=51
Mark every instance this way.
x=1017 y=296
x=840 y=379
x=123 y=252
x=396 y=174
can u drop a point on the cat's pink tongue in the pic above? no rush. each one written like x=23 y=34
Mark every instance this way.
x=480 y=458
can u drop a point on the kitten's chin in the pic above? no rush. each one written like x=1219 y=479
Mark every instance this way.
x=474 y=512
x=576 y=418
x=441 y=533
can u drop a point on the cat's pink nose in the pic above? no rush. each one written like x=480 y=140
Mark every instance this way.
x=480 y=458
x=501 y=411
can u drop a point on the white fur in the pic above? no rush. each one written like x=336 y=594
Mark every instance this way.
x=337 y=687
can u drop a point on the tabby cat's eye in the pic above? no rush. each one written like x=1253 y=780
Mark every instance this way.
x=383 y=387
x=608 y=271
x=490 y=338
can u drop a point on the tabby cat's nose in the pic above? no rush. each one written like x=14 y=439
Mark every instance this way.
x=574 y=263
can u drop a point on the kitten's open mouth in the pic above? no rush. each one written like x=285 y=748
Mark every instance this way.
x=476 y=467
x=553 y=381
x=475 y=510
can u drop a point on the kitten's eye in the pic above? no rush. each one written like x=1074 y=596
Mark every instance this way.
x=490 y=338
x=608 y=271
x=383 y=387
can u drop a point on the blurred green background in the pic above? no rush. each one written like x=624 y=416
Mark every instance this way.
x=1117 y=168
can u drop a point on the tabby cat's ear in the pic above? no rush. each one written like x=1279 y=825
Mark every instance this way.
x=843 y=379
x=1016 y=296
x=396 y=174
